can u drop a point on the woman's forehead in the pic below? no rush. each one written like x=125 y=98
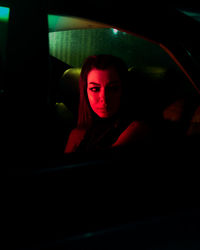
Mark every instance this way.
x=103 y=76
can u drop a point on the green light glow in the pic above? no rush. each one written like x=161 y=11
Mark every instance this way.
x=4 y=14
x=53 y=20
x=115 y=31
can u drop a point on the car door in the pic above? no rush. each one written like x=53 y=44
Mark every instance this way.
x=79 y=199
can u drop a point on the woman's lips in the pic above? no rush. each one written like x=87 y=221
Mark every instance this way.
x=103 y=110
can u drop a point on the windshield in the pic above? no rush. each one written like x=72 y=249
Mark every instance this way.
x=68 y=47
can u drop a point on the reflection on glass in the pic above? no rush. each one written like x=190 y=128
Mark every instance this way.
x=4 y=17
x=4 y=14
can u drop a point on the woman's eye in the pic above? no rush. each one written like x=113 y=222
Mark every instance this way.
x=95 y=89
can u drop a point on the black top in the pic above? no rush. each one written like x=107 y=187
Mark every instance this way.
x=103 y=133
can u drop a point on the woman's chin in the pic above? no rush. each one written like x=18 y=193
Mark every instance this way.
x=104 y=115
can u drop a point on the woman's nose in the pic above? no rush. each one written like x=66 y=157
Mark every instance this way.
x=103 y=97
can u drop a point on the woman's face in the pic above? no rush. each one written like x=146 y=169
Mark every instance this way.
x=104 y=91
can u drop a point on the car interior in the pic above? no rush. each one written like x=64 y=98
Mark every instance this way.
x=136 y=197
x=165 y=96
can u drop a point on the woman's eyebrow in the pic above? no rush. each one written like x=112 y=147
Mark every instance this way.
x=110 y=83
x=94 y=83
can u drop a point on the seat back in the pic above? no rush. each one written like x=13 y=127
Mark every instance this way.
x=69 y=89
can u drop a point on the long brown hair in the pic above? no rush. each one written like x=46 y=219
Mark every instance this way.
x=85 y=113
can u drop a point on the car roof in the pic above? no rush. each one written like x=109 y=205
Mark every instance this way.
x=154 y=21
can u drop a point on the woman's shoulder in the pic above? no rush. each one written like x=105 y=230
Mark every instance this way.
x=74 y=139
x=136 y=127
x=76 y=132
x=136 y=131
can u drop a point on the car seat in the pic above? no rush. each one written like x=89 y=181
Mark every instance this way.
x=69 y=89
x=66 y=107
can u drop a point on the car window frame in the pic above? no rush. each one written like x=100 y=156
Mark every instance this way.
x=124 y=26
x=173 y=50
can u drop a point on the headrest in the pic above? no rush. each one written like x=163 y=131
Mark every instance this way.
x=69 y=88
x=70 y=79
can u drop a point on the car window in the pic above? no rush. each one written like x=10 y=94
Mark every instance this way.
x=73 y=39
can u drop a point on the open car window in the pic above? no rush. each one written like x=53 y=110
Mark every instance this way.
x=73 y=39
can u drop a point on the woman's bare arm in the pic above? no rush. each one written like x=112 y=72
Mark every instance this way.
x=136 y=132
x=75 y=138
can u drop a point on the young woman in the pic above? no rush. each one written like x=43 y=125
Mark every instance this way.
x=106 y=118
